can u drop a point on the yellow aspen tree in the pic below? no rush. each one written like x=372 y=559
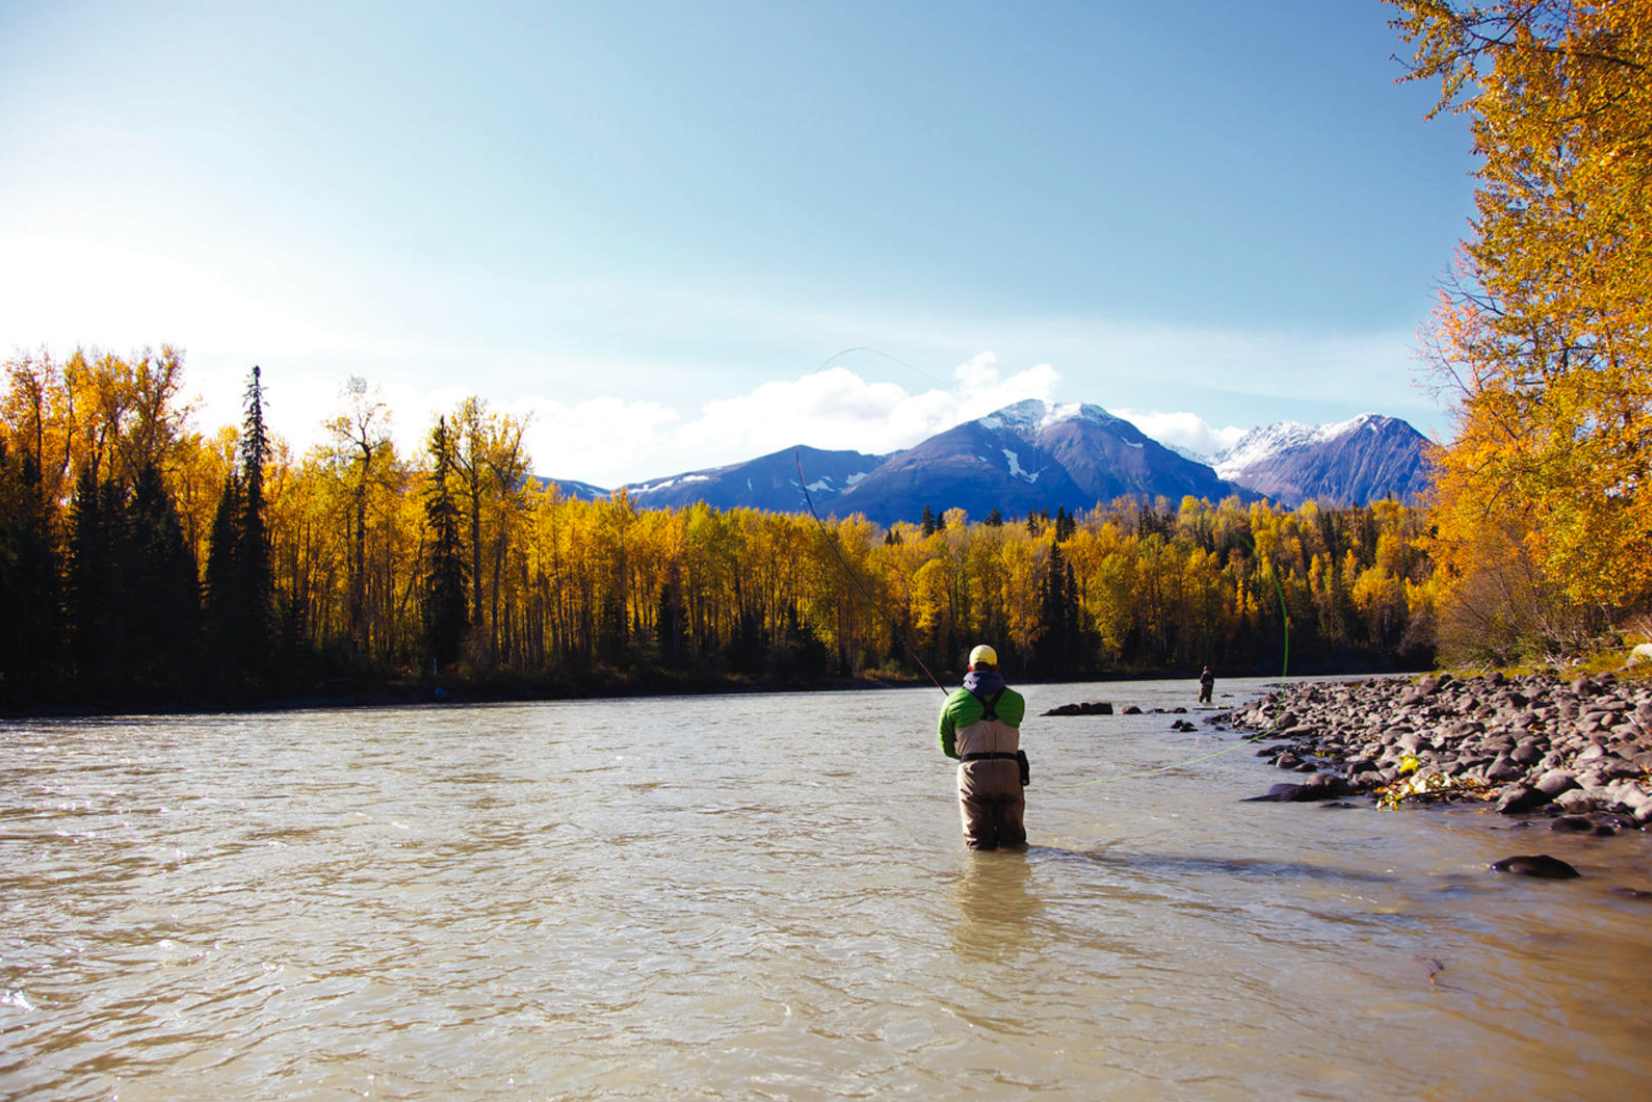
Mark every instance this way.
x=1546 y=340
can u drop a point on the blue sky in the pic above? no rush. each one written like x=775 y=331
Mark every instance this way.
x=653 y=226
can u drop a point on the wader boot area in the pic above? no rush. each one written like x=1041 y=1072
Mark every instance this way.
x=990 y=799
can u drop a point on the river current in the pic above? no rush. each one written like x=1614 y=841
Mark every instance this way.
x=766 y=897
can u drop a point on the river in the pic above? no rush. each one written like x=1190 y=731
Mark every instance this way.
x=765 y=897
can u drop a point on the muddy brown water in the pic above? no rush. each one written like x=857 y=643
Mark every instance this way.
x=765 y=897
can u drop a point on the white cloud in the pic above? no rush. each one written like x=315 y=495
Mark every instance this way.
x=610 y=441
x=1184 y=430
x=606 y=441
x=836 y=408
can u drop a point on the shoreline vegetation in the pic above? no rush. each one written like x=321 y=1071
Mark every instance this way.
x=146 y=565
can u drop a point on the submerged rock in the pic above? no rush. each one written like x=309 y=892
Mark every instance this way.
x=1320 y=786
x=1520 y=797
x=1540 y=865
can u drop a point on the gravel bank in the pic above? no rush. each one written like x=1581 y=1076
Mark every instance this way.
x=1580 y=751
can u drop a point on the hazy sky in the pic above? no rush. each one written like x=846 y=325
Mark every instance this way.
x=655 y=225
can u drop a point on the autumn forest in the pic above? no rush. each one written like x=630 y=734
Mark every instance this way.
x=149 y=562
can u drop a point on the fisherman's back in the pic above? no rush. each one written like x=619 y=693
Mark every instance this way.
x=980 y=725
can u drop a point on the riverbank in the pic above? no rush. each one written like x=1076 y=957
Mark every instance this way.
x=599 y=683
x=1579 y=751
x=350 y=693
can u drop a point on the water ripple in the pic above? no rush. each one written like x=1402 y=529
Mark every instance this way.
x=535 y=901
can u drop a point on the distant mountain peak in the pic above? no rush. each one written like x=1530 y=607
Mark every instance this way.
x=1035 y=414
x=1364 y=457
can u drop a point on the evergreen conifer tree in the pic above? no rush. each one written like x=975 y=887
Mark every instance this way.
x=256 y=628
x=223 y=578
x=31 y=591
x=96 y=638
x=1059 y=644
x=163 y=595
x=445 y=603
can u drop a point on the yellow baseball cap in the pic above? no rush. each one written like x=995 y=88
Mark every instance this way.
x=983 y=655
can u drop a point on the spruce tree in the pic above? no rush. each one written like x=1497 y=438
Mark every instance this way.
x=256 y=629
x=223 y=584
x=1060 y=644
x=445 y=604
x=32 y=662
x=96 y=641
x=163 y=596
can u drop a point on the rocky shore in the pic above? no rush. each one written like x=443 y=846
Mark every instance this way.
x=1577 y=751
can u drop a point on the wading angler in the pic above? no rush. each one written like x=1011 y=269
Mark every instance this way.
x=980 y=725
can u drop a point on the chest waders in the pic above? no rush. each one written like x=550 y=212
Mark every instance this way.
x=991 y=773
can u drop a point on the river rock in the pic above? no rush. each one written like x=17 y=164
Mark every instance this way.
x=1540 y=865
x=1520 y=797
x=1088 y=708
x=1554 y=782
x=1320 y=786
x=1575 y=801
x=1522 y=741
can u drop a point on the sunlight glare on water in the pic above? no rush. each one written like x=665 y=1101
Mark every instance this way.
x=765 y=896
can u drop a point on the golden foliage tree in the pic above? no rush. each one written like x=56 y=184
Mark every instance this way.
x=1545 y=331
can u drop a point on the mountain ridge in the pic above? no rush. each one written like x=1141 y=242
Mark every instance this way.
x=1034 y=455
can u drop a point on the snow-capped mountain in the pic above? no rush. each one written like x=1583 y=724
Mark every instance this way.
x=1032 y=455
x=1347 y=463
x=1035 y=455
x=770 y=482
